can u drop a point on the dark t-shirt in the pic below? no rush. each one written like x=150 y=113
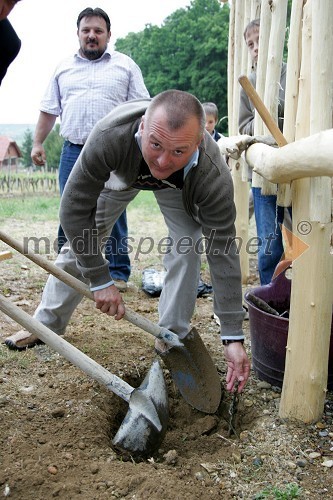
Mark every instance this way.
x=146 y=181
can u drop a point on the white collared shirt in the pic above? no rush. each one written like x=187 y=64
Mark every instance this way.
x=82 y=92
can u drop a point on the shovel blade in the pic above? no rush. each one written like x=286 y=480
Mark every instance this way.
x=194 y=373
x=144 y=426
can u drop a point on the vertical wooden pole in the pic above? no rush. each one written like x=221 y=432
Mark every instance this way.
x=322 y=102
x=291 y=96
x=231 y=59
x=273 y=68
x=265 y=26
x=240 y=186
x=305 y=379
x=246 y=67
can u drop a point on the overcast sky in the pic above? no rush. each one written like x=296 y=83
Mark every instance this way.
x=47 y=29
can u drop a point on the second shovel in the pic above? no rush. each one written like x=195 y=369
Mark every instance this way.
x=190 y=364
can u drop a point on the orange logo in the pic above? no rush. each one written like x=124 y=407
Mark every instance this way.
x=294 y=247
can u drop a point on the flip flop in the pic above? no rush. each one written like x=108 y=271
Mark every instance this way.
x=22 y=340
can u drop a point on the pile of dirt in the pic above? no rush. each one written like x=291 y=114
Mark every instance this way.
x=57 y=425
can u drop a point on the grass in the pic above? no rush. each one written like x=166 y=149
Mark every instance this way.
x=21 y=214
x=292 y=490
x=145 y=202
x=31 y=208
x=15 y=359
x=46 y=207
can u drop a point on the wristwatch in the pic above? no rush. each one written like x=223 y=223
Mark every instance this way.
x=231 y=341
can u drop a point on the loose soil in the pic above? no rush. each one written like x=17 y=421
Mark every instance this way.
x=57 y=424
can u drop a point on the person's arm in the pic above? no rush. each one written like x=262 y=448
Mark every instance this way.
x=246 y=111
x=77 y=216
x=137 y=88
x=44 y=126
x=246 y=115
x=216 y=210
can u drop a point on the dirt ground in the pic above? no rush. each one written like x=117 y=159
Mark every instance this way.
x=57 y=424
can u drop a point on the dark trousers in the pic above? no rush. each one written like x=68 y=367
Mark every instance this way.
x=116 y=249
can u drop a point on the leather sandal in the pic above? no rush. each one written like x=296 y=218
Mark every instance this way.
x=22 y=340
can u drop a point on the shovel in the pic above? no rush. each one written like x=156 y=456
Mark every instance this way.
x=145 y=423
x=264 y=114
x=189 y=361
x=167 y=336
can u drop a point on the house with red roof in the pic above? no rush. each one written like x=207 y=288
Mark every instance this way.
x=10 y=155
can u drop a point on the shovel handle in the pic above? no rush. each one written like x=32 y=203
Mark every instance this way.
x=5 y=255
x=131 y=316
x=67 y=350
x=265 y=115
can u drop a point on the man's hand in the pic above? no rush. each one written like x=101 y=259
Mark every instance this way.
x=110 y=302
x=238 y=365
x=235 y=145
x=38 y=155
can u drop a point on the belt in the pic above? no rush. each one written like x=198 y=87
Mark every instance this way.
x=73 y=143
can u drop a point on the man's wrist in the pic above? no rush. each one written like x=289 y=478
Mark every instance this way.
x=231 y=341
x=101 y=287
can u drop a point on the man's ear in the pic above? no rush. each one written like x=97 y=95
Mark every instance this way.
x=142 y=124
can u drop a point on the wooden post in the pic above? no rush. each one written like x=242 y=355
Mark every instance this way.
x=291 y=95
x=246 y=64
x=231 y=63
x=254 y=14
x=311 y=156
x=322 y=102
x=273 y=67
x=241 y=188
x=265 y=26
x=305 y=379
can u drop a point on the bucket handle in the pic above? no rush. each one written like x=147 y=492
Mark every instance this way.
x=281 y=269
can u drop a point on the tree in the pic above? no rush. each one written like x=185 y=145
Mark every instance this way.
x=26 y=148
x=53 y=146
x=188 y=52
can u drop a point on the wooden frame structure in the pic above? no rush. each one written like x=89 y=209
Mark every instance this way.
x=308 y=110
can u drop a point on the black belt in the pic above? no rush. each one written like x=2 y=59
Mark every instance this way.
x=73 y=143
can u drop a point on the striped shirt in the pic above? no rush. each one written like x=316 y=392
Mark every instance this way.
x=82 y=92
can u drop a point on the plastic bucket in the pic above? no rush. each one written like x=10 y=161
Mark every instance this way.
x=269 y=333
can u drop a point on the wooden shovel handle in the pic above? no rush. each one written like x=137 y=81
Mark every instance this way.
x=131 y=316
x=67 y=350
x=265 y=115
x=5 y=255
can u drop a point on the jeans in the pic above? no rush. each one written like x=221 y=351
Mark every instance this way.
x=116 y=249
x=268 y=217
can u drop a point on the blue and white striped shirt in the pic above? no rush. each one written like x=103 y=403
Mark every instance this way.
x=82 y=92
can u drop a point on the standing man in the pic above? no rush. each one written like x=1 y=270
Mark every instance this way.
x=268 y=214
x=159 y=145
x=83 y=89
x=10 y=43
